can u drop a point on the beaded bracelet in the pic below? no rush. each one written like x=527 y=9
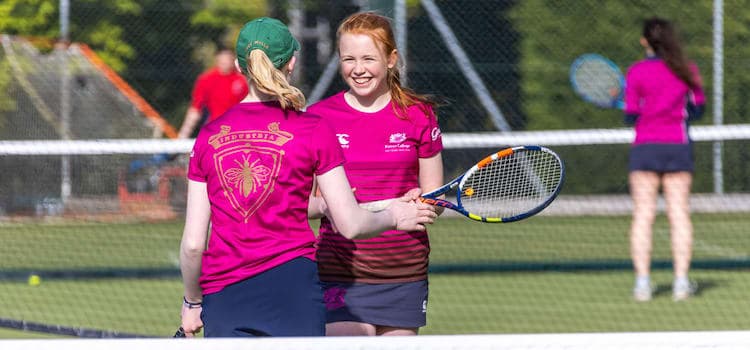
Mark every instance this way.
x=191 y=305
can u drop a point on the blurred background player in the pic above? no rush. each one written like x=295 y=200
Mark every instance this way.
x=392 y=143
x=250 y=175
x=215 y=91
x=663 y=93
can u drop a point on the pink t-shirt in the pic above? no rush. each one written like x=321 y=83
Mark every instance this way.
x=382 y=161
x=659 y=98
x=258 y=163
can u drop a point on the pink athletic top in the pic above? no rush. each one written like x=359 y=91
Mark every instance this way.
x=659 y=98
x=382 y=161
x=258 y=161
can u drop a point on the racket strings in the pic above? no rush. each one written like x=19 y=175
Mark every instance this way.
x=597 y=80
x=512 y=185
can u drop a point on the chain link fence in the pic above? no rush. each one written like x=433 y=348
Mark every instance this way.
x=499 y=64
x=102 y=229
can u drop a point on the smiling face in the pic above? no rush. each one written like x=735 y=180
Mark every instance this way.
x=364 y=67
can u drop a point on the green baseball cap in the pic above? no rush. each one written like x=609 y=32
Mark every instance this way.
x=269 y=35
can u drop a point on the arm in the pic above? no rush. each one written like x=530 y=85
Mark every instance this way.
x=629 y=119
x=431 y=176
x=198 y=99
x=694 y=112
x=192 y=117
x=316 y=207
x=191 y=250
x=632 y=104
x=355 y=222
x=696 y=98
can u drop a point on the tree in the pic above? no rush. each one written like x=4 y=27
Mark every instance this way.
x=158 y=46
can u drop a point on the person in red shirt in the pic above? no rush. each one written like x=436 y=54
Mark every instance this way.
x=215 y=91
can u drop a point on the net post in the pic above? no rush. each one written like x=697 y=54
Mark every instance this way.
x=718 y=77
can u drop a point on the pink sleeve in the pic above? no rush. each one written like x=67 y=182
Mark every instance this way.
x=195 y=171
x=431 y=140
x=698 y=97
x=631 y=92
x=326 y=148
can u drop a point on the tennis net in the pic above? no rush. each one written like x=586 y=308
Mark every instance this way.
x=103 y=261
x=721 y=340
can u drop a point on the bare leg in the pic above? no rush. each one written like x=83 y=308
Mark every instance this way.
x=644 y=189
x=391 y=331
x=347 y=328
x=677 y=193
x=365 y=329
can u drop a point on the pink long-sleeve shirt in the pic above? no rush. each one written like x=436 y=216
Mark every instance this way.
x=659 y=98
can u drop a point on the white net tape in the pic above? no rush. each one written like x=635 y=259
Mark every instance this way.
x=722 y=340
x=698 y=133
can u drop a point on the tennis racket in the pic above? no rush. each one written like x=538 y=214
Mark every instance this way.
x=598 y=80
x=510 y=185
x=179 y=334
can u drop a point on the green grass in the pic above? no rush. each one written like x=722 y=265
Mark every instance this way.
x=139 y=306
x=18 y=334
x=89 y=245
x=553 y=302
x=547 y=299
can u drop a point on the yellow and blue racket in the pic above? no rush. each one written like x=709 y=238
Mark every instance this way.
x=598 y=80
x=510 y=185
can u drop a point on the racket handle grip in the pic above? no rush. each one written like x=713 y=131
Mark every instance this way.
x=180 y=333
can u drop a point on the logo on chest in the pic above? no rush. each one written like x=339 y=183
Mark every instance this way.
x=343 y=140
x=397 y=137
x=396 y=143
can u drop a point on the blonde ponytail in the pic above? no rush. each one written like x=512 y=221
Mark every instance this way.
x=272 y=81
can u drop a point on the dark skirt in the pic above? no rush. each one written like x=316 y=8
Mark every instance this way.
x=400 y=305
x=661 y=157
x=285 y=301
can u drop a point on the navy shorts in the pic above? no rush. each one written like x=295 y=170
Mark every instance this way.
x=661 y=157
x=400 y=305
x=284 y=301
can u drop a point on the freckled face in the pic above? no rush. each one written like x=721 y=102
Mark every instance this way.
x=364 y=66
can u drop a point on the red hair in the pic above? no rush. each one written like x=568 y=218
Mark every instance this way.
x=378 y=28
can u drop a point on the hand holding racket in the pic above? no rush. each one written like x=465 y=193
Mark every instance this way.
x=510 y=185
x=598 y=80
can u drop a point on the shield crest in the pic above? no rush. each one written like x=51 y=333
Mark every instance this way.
x=247 y=175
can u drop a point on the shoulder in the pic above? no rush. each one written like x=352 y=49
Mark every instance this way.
x=206 y=76
x=209 y=73
x=305 y=119
x=308 y=116
x=332 y=102
x=639 y=65
x=238 y=76
x=645 y=68
x=317 y=126
x=421 y=111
